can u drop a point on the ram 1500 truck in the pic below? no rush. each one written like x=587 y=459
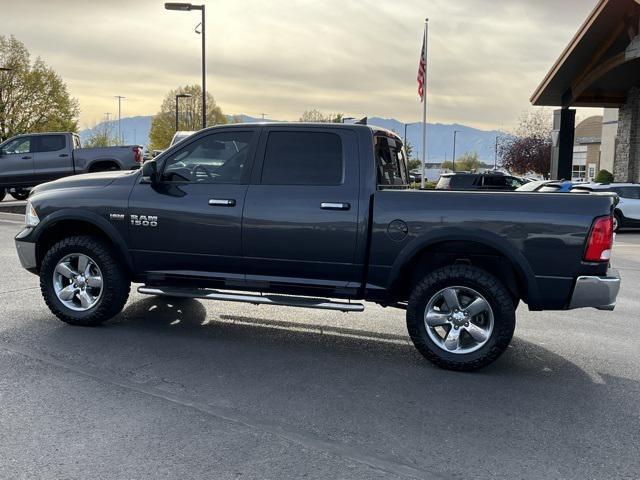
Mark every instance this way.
x=318 y=216
x=34 y=158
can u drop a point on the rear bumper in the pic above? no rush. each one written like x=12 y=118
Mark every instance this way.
x=596 y=292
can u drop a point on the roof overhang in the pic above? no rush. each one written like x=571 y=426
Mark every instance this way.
x=600 y=64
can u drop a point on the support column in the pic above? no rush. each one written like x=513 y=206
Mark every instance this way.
x=626 y=166
x=564 y=125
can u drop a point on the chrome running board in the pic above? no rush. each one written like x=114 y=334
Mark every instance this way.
x=281 y=300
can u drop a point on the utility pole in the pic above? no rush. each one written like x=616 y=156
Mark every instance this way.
x=263 y=115
x=495 y=161
x=453 y=160
x=119 y=97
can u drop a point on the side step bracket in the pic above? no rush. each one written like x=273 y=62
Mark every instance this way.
x=282 y=300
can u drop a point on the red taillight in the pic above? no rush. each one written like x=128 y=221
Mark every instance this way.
x=600 y=240
x=137 y=154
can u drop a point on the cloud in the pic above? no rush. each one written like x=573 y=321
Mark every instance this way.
x=284 y=56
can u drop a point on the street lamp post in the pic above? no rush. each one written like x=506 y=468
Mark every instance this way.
x=453 y=159
x=180 y=95
x=187 y=7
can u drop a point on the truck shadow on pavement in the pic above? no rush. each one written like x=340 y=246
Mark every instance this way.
x=365 y=388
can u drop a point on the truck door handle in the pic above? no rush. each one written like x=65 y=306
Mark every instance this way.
x=222 y=202
x=335 y=206
x=63 y=155
x=26 y=158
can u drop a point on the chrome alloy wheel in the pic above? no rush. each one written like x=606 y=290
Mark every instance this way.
x=458 y=320
x=77 y=282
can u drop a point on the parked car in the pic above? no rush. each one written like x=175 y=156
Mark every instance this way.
x=415 y=175
x=34 y=158
x=627 y=212
x=478 y=181
x=311 y=215
x=180 y=135
x=547 y=186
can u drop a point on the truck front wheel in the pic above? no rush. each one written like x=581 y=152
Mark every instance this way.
x=460 y=317
x=82 y=281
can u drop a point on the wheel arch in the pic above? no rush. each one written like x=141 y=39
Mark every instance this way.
x=415 y=253
x=65 y=223
x=98 y=164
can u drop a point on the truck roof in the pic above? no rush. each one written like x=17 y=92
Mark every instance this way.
x=348 y=126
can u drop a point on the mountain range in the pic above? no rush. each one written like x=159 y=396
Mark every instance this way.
x=135 y=130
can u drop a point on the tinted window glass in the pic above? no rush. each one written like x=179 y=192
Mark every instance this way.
x=390 y=159
x=465 y=181
x=216 y=158
x=303 y=158
x=629 y=192
x=495 y=181
x=50 y=143
x=514 y=182
x=19 y=145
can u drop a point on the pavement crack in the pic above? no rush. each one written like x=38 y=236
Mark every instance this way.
x=18 y=290
x=287 y=432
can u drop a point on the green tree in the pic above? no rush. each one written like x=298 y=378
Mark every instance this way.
x=413 y=163
x=316 y=116
x=467 y=162
x=33 y=97
x=163 y=124
x=101 y=136
x=408 y=148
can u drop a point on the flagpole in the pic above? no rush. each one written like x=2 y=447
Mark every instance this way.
x=424 y=105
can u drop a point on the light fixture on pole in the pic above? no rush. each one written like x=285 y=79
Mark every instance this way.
x=453 y=159
x=187 y=7
x=180 y=95
x=119 y=97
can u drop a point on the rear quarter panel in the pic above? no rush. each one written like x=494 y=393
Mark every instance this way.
x=123 y=155
x=544 y=234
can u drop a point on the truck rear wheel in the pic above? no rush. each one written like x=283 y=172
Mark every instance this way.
x=82 y=281
x=460 y=317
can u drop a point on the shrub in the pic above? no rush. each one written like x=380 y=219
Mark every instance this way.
x=604 y=176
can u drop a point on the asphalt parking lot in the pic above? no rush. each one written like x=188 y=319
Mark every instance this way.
x=189 y=389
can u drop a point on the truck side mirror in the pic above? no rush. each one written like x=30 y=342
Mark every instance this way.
x=150 y=172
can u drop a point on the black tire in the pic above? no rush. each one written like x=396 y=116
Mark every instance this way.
x=3 y=193
x=499 y=299
x=617 y=224
x=20 y=194
x=116 y=284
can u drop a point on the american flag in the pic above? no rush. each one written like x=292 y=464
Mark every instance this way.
x=422 y=72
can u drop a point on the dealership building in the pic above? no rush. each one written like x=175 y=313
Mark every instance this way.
x=599 y=68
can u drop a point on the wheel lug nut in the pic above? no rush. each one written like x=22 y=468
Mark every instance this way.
x=466 y=324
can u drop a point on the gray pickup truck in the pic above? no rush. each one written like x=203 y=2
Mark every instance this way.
x=34 y=158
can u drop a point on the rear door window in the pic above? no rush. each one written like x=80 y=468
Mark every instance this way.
x=303 y=158
x=465 y=182
x=50 y=143
x=495 y=181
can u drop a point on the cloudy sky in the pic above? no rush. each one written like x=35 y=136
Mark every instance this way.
x=282 y=57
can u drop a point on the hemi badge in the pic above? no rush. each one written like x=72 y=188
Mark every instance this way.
x=116 y=216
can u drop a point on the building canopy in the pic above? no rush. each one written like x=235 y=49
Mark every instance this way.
x=601 y=63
